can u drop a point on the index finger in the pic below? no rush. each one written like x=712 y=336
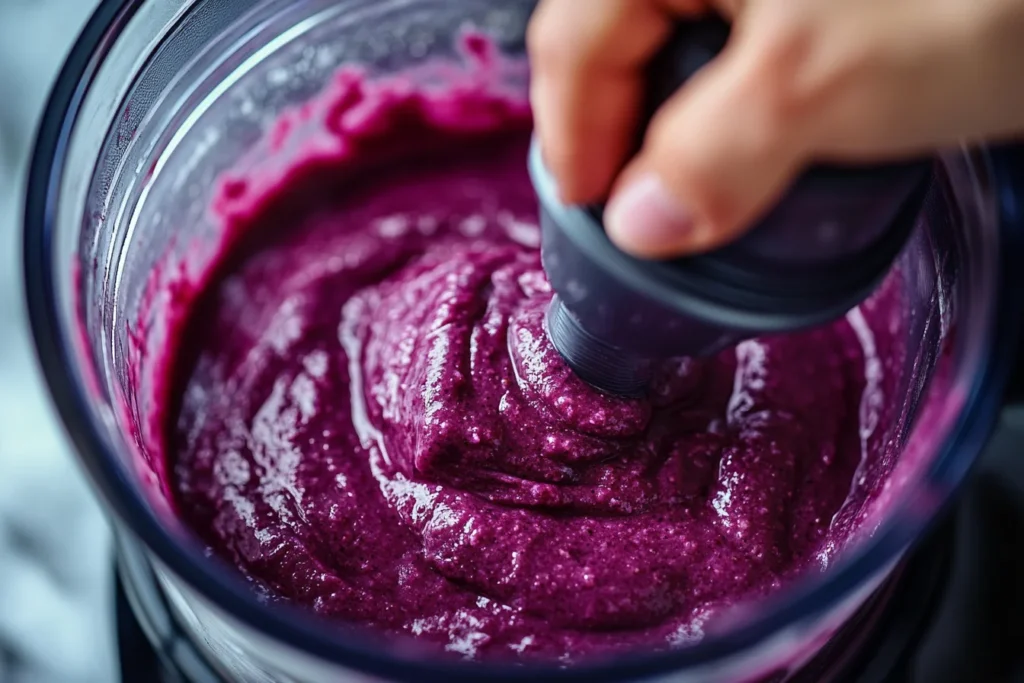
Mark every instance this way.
x=587 y=61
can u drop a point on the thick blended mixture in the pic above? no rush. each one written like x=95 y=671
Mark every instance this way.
x=372 y=422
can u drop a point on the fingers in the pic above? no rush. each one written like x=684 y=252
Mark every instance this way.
x=710 y=162
x=717 y=155
x=588 y=61
x=800 y=81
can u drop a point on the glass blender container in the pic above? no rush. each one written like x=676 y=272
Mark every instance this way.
x=159 y=97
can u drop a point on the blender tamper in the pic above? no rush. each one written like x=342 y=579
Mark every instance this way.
x=816 y=255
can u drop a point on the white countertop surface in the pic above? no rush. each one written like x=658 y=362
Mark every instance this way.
x=56 y=600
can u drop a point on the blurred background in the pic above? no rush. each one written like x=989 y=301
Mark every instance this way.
x=55 y=582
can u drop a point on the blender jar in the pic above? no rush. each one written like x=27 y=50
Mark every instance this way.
x=158 y=98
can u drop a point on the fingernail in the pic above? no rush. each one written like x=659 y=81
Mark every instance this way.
x=646 y=218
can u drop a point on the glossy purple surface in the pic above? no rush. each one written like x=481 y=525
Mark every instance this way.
x=369 y=418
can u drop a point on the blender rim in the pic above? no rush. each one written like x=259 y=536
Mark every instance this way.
x=222 y=586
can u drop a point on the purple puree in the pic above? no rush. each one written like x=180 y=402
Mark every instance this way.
x=370 y=420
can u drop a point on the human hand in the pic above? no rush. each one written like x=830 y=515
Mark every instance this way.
x=800 y=81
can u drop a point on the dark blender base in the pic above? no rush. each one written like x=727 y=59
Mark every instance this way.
x=954 y=611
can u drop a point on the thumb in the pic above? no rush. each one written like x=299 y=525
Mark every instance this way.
x=716 y=156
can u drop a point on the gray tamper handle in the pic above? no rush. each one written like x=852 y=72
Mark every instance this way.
x=819 y=252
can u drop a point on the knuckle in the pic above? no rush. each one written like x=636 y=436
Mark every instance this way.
x=605 y=35
x=547 y=39
x=730 y=8
x=804 y=72
x=783 y=54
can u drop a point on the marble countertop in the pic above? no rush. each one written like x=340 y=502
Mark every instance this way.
x=55 y=564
